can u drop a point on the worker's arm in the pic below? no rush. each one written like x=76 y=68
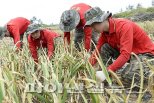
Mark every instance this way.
x=50 y=46
x=87 y=37
x=126 y=43
x=16 y=35
x=101 y=41
x=33 y=49
x=67 y=37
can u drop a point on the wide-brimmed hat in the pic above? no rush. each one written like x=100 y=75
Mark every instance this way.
x=33 y=27
x=69 y=20
x=96 y=15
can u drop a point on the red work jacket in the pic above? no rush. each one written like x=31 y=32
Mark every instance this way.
x=125 y=36
x=17 y=27
x=81 y=8
x=46 y=40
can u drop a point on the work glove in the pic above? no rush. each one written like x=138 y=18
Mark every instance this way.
x=100 y=76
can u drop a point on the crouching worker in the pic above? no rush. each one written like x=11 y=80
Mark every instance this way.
x=74 y=19
x=41 y=38
x=119 y=38
x=15 y=28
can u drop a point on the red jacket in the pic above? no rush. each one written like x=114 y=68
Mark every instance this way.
x=127 y=37
x=17 y=27
x=81 y=9
x=46 y=40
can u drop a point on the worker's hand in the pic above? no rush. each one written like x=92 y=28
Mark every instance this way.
x=100 y=76
x=87 y=55
x=18 y=50
x=49 y=57
x=35 y=66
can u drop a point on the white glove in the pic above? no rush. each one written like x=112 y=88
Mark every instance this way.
x=100 y=76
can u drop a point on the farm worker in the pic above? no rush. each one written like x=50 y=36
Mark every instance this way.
x=40 y=38
x=15 y=28
x=74 y=19
x=118 y=39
